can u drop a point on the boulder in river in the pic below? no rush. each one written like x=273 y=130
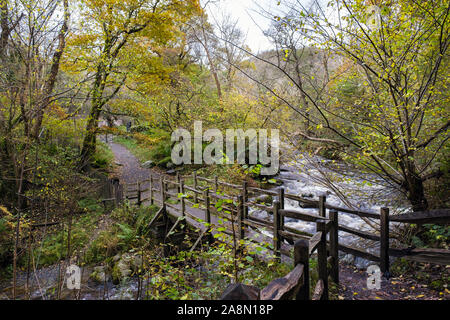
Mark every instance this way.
x=348 y=259
x=122 y=268
x=125 y=266
x=307 y=195
x=100 y=274
x=264 y=198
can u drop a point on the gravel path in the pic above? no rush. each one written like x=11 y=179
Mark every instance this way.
x=130 y=168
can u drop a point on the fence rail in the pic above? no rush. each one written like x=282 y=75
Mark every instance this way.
x=205 y=194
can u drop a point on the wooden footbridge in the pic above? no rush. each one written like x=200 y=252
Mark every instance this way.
x=203 y=203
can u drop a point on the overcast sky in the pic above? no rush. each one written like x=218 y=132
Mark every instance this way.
x=247 y=13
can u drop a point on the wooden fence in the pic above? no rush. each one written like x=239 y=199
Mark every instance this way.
x=208 y=192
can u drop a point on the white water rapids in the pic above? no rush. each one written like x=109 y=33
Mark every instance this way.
x=307 y=176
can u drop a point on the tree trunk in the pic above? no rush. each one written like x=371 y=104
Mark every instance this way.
x=90 y=139
x=416 y=194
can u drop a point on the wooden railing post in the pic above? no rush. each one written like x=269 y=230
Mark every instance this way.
x=322 y=258
x=241 y=224
x=301 y=255
x=195 y=187
x=207 y=211
x=216 y=184
x=208 y=215
x=163 y=196
x=281 y=199
x=183 y=203
x=178 y=178
x=276 y=228
x=139 y=202
x=151 y=189
x=334 y=245
x=245 y=199
x=384 y=240
x=322 y=209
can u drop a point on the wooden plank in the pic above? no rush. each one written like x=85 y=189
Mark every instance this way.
x=173 y=206
x=355 y=212
x=301 y=215
x=359 y=252
x=299 y=232
x=439 y=216
x=240 y=215
x=48 y=224
x=318 y=290
x=322 y=206
x=301 y=256
x=276 y=227
x=292 y=236
x=198 y=240
x=110 y=199
x=334 y=241
x=160 y=211
x=257 y=224
x=222 y=214
x=173 y=194
x=272 y=193
x=258 y=205
x=235 y=186
x=226 y=197
x=314 y=242
x=261 y=221
x=384 y=240
x=205 y=179
x=300 y=199
x=172 y=229
x=359 y=233
x=193 y=189
x=284 y=288
x=322 y=267
x=427 y=255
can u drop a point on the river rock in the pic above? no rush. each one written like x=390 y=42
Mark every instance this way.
x=264 y=198
x=125 y=266
x=100 y=274
x=361 y=263
x=148 y=164
x=117 y=257
x=136 y=262
x=122 y=269
x=348 y=259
